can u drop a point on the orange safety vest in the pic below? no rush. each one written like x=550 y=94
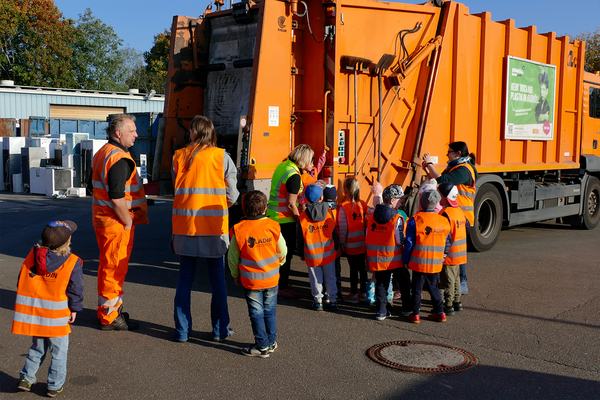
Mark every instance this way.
x=307 y=179
x=102 y=206
x=383 y=253
x=458 y=233
x=466 y=194
x=319 y=248
x=259 y=258
x=428 y=250
x=356 y=221
x=42 y=306
x=200 y=205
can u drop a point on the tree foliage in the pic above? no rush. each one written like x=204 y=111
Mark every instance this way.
x=35 y=44
x=39 y=47
x=592 y=49
x=98 y=59
x=153 y=76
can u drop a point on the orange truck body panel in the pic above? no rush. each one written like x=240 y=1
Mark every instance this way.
x=449 y=85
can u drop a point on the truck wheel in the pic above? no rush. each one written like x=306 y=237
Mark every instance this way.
x=591 y=205
x=488 y=218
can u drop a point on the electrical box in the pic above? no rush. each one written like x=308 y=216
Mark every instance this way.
x=342 y=140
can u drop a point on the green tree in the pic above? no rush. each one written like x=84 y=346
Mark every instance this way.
x=592 y=49
x=157 y=61
x=98 y=58
x=35 y=44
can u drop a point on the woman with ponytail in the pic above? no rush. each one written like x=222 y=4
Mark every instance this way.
x=204 y=180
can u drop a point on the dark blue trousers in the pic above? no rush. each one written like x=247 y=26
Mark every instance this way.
x=431 y=281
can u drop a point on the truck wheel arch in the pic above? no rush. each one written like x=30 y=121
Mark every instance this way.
x=490 y=196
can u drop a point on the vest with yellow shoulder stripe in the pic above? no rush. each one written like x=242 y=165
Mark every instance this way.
x=458 y=233
x=466 y=193
x=259 y=258
x=42 y=306
x=319 y=247
x=200 y=204
x=102 y=207
x=428 y=250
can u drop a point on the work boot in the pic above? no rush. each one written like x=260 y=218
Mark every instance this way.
x=121 y=324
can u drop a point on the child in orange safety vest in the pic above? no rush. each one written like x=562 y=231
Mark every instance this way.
x=256 y=252
x=49 y=295
x=450 y=277
x=317 y=244
x=426 y=244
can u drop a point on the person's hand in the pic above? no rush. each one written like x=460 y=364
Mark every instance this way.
x=325 y=150
x=128 y=226
x=238 y=280
x=343 y=248
x=426 y=158
x=72 y=318
x=377 y=189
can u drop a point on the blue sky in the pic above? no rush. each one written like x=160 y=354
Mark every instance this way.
x=137 y=21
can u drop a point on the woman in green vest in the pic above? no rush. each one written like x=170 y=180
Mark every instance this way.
x=286 y=185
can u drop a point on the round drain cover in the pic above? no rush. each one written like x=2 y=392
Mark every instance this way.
x=422 y=357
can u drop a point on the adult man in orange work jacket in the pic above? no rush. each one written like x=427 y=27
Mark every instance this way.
x=119 y=204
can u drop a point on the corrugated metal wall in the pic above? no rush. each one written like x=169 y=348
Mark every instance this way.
x=23 y=103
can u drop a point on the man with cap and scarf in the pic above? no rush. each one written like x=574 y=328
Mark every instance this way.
x=426 y=245
x=384 y=239
x=49 y=295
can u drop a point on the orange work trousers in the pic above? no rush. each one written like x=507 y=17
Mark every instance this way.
x=115 y=245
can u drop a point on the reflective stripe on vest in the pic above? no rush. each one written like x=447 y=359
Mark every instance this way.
x=383 y=252
x=135 y=196
x=42 y=306
x=200 y=202
x=458 y=250
x=259 y=258
x=319 y=248
x=466 y=194
x=356 y=220
x=428 y=250
x=277 y=208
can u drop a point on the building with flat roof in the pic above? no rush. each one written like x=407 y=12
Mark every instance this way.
x=23 y=102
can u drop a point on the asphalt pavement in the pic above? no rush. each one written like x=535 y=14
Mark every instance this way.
x=531 y=319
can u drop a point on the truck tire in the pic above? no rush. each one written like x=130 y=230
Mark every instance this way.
x=488 y=218
x=591 y=205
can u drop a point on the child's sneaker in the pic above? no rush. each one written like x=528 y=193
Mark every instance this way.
x=437 y=317
x=457 y=306
x=414 y=318
x=23 y=385
x=362 y=297
x=53 y=393
x=333 y=306
x=449 y=310
x=317 y=306
x=351 y=298
x=382 y=315
x=273 y=347
x=254 y=351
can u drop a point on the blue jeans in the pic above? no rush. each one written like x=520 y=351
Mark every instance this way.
x=219 y=313
x=57 y=372
x=463 y=272
x=262 y=311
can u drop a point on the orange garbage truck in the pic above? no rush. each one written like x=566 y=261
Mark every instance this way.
x=380 y=83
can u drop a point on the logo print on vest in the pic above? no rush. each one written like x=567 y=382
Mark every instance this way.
x=428 y=230
x=354 y=216
x=251 y=242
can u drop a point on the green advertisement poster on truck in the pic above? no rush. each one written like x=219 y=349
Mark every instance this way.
x=530 y=100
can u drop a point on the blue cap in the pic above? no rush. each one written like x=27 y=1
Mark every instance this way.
x=313 y=192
